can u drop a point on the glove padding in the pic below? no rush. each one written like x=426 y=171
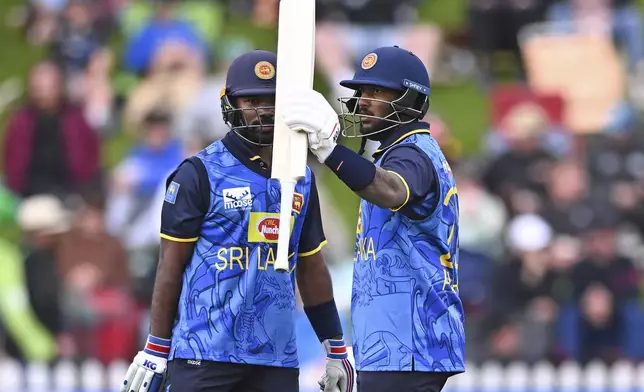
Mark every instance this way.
x=147 y=373
x=338 y=373
x=309 y=111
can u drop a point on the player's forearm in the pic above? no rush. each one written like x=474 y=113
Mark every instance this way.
x=314 y=283
x=372 y=183
x=167 y=287
x=316 y=291
x=386 y=190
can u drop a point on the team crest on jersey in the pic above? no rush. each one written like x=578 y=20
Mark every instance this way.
x=298 y=202
x=171 y=192
x=369 y=61
x=265 y=226
x=237 y=198
x=264 y=70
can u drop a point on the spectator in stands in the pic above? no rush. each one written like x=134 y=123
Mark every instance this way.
x=49 y=147
x=42 y=20
x=201 y=118
x=163 y=28
x=519 y=174
x=93 y=90
x=567 y=207
x=522 y=288
x=482 y=215
x=77 y=39
x=99 y=308
x=43 y=221
x=136 y=179
x=176 y=78
x=79 y=49
x=602 y=263
x=600 y=325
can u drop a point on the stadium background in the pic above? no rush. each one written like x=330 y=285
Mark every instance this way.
x=537 y=102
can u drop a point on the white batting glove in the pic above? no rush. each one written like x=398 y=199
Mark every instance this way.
x=338 y=374
x=309 y=111
x=148 y=370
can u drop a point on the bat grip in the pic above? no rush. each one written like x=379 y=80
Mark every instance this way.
x=286 y=204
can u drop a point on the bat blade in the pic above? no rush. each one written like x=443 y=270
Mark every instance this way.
x=295 y=68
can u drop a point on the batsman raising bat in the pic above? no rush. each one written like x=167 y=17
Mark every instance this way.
x=406 y=313
x=222 y=318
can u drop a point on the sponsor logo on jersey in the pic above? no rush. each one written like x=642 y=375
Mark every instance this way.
x=298 y=202
x=237 y=198
x=265 y=227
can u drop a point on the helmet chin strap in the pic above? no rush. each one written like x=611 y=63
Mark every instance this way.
x=363 y=145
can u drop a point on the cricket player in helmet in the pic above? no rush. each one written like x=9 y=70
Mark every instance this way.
x=221 y=315
x=406 y=313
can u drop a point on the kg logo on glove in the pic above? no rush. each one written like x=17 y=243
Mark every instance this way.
x=147 y=373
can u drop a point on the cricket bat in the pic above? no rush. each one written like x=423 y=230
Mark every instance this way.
x=295 y=65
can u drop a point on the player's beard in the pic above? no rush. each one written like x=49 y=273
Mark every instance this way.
x=260 y=131
x=373 y=128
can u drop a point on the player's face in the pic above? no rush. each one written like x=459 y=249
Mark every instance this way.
x=375 y=102
x=259 y=113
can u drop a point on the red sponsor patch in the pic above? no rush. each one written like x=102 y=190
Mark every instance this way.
x=269 y=228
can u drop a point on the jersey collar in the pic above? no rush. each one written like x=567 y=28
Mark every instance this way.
x=399 y=135
x=245 y=155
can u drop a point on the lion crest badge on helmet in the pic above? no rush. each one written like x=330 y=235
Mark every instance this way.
x=369 y=61
x=264 y=70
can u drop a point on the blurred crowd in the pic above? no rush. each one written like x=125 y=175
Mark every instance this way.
x=551 y=224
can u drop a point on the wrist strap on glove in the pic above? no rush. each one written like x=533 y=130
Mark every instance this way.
x=157 y=346
x=335 y=349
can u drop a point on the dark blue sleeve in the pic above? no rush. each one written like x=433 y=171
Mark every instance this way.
x=186 y=202
x=312 y=238
x=417 y=171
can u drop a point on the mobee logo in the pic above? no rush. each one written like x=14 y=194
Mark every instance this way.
x=237 y=197
x=369 y=61
x=265 y=226
x=264 y=70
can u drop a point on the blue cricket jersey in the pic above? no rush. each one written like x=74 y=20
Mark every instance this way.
x=406 y=312
x=234 y=307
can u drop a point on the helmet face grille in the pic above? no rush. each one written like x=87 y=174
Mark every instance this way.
x=402 y=112
x=259 y=133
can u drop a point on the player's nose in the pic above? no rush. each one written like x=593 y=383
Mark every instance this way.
x=364 y=102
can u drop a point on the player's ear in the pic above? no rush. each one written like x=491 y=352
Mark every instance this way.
x=412 y=104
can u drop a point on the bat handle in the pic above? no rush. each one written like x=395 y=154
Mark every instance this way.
x=286 y=204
